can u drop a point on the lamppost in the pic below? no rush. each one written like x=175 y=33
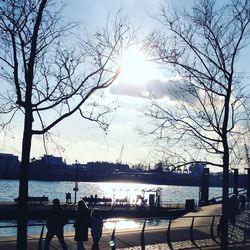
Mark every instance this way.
x=236 y=183
x=248 y=184
x=204 y=187
x=75 y=189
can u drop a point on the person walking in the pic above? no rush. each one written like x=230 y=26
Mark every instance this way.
x=82 y=224
x=56 y=220
x=242 y=201
x=96 y=227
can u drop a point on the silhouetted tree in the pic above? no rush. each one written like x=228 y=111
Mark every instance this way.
x=48 y=75
x=205 y=112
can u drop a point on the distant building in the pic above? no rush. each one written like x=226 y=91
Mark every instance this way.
x=197 y=168
x=49 y=167
x=48 y=162
x=9 y=163
x=106 y=167
x=52 y=160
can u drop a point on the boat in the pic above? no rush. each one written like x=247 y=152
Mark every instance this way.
x=51 y=168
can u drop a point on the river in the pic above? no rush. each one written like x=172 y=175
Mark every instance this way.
x=57 y=189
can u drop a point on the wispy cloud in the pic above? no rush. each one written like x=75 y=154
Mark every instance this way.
x=127 y=89
x=158 y=88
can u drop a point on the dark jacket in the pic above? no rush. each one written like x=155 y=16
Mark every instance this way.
x=57 y=219
x=82 y=224
x=96 y=227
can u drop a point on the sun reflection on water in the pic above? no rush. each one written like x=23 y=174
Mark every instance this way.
x=127 y=191
x=121 y=224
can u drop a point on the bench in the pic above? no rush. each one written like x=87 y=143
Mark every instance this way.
x=98 y=201
x=33 y=199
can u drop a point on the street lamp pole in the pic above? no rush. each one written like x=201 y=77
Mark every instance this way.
x=75 y=189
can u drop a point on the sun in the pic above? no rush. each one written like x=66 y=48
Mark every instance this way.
x=135 y=66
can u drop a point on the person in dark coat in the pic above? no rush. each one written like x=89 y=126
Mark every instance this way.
x=233 y=208
x=96 y=228
x=56 y=220
x=82 y=224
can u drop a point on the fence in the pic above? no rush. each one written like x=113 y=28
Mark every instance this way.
x=188 y=228
x=191 y=230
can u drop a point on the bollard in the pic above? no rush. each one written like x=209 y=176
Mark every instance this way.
x=112 y=240
x=169 y=236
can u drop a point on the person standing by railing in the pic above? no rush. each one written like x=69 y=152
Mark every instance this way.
x=242 y=201
x=56 y=220
x=233 y=208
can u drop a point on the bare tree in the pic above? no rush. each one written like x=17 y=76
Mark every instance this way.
x=205 y=113
x=49 y=76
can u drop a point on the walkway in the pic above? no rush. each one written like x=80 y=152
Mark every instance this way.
x=156 y=236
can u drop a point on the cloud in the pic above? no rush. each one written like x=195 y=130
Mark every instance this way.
x=158 y=88
x=182 y=90
x=127 y=89
x=155 y=87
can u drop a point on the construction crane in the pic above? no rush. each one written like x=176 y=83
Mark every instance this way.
x=119 y=160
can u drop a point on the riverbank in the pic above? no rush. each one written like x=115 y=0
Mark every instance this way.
x=40 y=211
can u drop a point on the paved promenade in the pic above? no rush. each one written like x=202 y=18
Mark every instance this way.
x=156 y=237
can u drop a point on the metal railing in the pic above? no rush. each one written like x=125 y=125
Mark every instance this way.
x=171 y=228
x=219 y=198
x=190 y=224
x=168 y=227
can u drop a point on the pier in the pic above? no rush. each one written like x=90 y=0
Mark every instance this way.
x=143 y=207
x=37 y=210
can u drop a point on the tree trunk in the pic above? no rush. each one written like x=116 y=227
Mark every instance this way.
x=225 y=214
x=23 y=184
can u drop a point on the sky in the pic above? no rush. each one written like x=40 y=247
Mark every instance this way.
x=123 y=139
x=81 y=140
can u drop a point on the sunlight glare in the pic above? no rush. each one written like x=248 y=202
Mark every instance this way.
x=121 y=224
x=135 y=66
